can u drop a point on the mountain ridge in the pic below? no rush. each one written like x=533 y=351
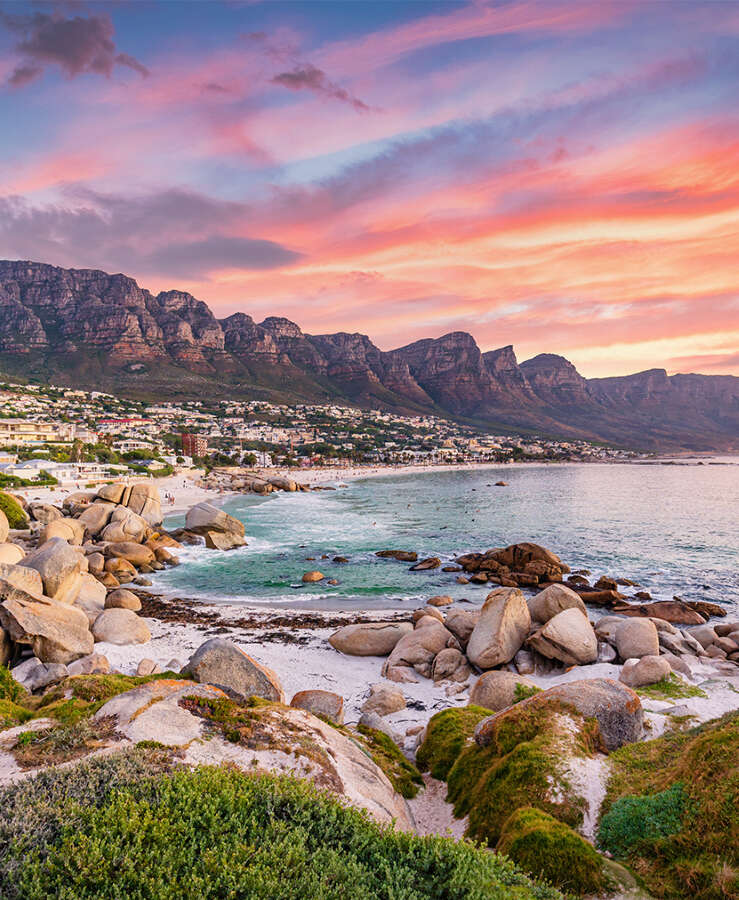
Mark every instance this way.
x=92 y=329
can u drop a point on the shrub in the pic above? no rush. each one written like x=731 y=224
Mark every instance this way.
x=16 y=516
x=693 y=853
x=550 y=849
x=118 y=827
x=9 y=687
x=645 y=818
x=447 y=734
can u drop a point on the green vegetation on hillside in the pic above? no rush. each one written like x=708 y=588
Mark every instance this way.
x=447 y=734
x=14 y=512
x=129 y=825
x=672 y=811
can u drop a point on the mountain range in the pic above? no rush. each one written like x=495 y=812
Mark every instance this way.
x=88 y=329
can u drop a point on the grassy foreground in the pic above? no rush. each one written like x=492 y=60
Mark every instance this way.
x=130 y=825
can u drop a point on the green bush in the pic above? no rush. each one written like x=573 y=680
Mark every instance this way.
x=550 y=849
x=447 y=734
x=120 y=827
x=645 y=818
x=9 y=687
x=16 y=516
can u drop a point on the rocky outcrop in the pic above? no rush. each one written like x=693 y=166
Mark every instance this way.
x=222 y=663
x=98 y=330
x=502 y=628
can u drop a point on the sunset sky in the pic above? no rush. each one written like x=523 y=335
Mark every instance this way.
x=559 y=176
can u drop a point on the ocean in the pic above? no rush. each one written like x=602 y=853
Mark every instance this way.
x=674 y=529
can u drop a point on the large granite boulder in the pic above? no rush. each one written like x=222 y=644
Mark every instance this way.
x=125 y=525
x=4 y=527
x=144 y=500
x=568 y=637
x=636 y=638
x=120 y=626
x=120 y=598
x=555 y=598
x=461 y=623
x=137 y=554
x=44 y=512
x=417 y=649
x=204 y=517
x=91 y=597
x=96 y=517
x=384 y=700
x=369 y=638
x=616 y=707
x=22 y=577
x=220 y=662
x=647 y=670
x=321 y=703
x=11 y=553
x=56 y=632
x=501 y=630
x=60 y=566
x=499 y=689
x=69 y=530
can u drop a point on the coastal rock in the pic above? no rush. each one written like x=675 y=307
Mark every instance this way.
x=11 y=554
x=91 y=597
x=56 y=632
x=369 y=638
x=120 y=626
x=401 y=555
x=674 y=611
x=144 y=501
x=321 y=703
x=503 y=626
x=441 y=600
x=384 y=700
x=552 y=600
x=148 y=667
x=616 y=707
x=636 y=638
x=431 y=562
x=568 y=637
x=121 y=569
x=22 y=577
x=204 y=517
x=461 y=623
x=4 y=527
x=96 y=517
x=69 y=530
x=60 y=567
x=418 y=614
x=647 y=670
x=377 y=723
x=499 y=689
x=220 y=662
x=120 y=598
x=124 y=525
x=92 y=664
x=417 y=649
x=450 y=664
x=33 y=675
x=137 y=554
x=44 y=512
x=524 y=662
x=311 y=577
x=217 y=540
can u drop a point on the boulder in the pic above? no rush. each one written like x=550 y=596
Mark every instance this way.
x=137 y=554
x=121 y=569
x=552 y=600
x=647 y=670
x=214 y=540
x=120 y=598
x=501 y=630
x=377 y=723
x=120 y=626
x=461 y=623
x=616 y=707
x=92 y=664
x=11 y=553
x=325 y=704
x=431 y=562
x=44 y=512
x=96 y=563
x=91 y=597
x=56 y=632
x=33 y=675
x=517 y=556
x=636 y=638
x=674 y=611
x=369 y=638
x=384 y=700
x=441 y=600
x=4 y=527
x=524 y=662
x=114 y=493
x=418 y=614
x=401 y=555
x=22 y=577
x=69 y=530
x=220 y=662
x=60 y=567
x=148 y=667
x=568 y=637
x=418 y=648
x=704 y=634
x=311 y=577
x=204 y=517
x=96 y=517
x=124 y=526
x=450 y=664
x=145 y=501
x=499 y=689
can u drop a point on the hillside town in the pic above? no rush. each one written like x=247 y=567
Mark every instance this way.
x=50 y=434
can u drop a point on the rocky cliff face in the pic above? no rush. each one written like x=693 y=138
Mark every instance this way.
x=91 y=329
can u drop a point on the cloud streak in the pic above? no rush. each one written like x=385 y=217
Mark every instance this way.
x=307 y=77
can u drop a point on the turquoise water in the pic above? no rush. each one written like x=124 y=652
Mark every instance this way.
x=671 y=528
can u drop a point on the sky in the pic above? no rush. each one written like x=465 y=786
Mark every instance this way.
x=561 y=176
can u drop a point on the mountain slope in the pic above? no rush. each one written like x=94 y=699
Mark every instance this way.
x=90 y=329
